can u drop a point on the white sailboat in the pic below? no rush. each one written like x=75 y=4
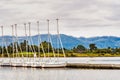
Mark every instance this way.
x=17 y=61
x=7 y=61
x=54 y=63
x=28 y=61
x=36 y=61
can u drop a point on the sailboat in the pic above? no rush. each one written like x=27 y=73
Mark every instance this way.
x=28 y=62
x=4 y=45
x=54 y=63
x=36 y=61
x=17 y=61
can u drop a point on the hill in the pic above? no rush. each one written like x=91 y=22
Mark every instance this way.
x=70 y=41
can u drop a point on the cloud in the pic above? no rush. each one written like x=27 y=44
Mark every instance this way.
x=73 y=14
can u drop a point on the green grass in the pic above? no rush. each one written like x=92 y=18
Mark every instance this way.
x=30 y=54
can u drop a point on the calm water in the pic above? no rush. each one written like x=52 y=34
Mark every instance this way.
x=57 y=74
x=7 y=73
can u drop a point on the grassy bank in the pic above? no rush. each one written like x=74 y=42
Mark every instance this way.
x=92 y=55
x=30 y=54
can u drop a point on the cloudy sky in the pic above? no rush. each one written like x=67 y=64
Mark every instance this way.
x=77 y=17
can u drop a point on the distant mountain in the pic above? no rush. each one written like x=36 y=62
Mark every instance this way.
x=70 y=41
x=103 y=42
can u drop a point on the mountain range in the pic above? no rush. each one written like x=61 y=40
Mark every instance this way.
x=69 y=41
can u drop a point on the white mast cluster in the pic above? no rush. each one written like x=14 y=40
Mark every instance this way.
x=26 y=60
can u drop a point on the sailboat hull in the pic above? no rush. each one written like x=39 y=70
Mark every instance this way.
x=53 y=65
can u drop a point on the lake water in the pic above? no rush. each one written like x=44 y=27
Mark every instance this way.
x=11 y=73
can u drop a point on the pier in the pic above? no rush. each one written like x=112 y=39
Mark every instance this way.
x=93 y=66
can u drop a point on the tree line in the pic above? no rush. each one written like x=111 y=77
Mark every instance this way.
x=43 y=47
x=94 y=49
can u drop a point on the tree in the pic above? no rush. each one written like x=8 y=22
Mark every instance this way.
x=23 y=45
x=79 y=48
x=45 y=46
x=92 y=47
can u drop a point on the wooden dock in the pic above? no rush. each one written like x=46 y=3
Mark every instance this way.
x=93 y=66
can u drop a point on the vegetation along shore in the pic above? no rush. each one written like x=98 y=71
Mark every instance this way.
x=78 y=51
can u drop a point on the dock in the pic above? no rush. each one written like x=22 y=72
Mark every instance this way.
x=71 y=65
x=93 y=66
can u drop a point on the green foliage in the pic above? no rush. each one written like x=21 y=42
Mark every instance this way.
x=45 y=46
x=79 y=48
x=92 y=47
x=78 y=51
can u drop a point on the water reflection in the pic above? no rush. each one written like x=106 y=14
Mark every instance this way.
x=57 y=74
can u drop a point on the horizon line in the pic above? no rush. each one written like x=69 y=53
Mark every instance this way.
x=70 y=35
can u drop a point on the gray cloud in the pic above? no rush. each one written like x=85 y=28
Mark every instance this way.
x=73 y=14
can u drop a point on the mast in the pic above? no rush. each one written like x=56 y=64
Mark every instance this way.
x=32 y=47
x=50 y=41
x=29 y=37
x=48 y=37
x=59 y=36
x=26 y=39
x=39 y=40
x=4 y=45
x=16 y=43
x=2 y=40
x=13 y=39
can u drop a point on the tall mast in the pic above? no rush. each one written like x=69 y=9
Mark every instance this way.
x=57 y=27
x=13 y=39
x=59 y=36
x=29 y=37
x=32 y=47
x=2 y=40
x=48 y=37
x=38 y=38
x=26 y=39
x=16 y=43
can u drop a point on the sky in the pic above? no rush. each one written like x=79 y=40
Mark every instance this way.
x=79 y=18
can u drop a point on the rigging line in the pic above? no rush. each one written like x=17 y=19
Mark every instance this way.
x=28 y=47
x=49 y=41
x=33 y=48
x=38 y=39
x=60 y=37
x=26 y=40
x=4 y=40
x=39 y=35
x=16 y=45
x=52 y=47
x=13 y=39
x=18 y=41
x=58 y=47
x=48 y=36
